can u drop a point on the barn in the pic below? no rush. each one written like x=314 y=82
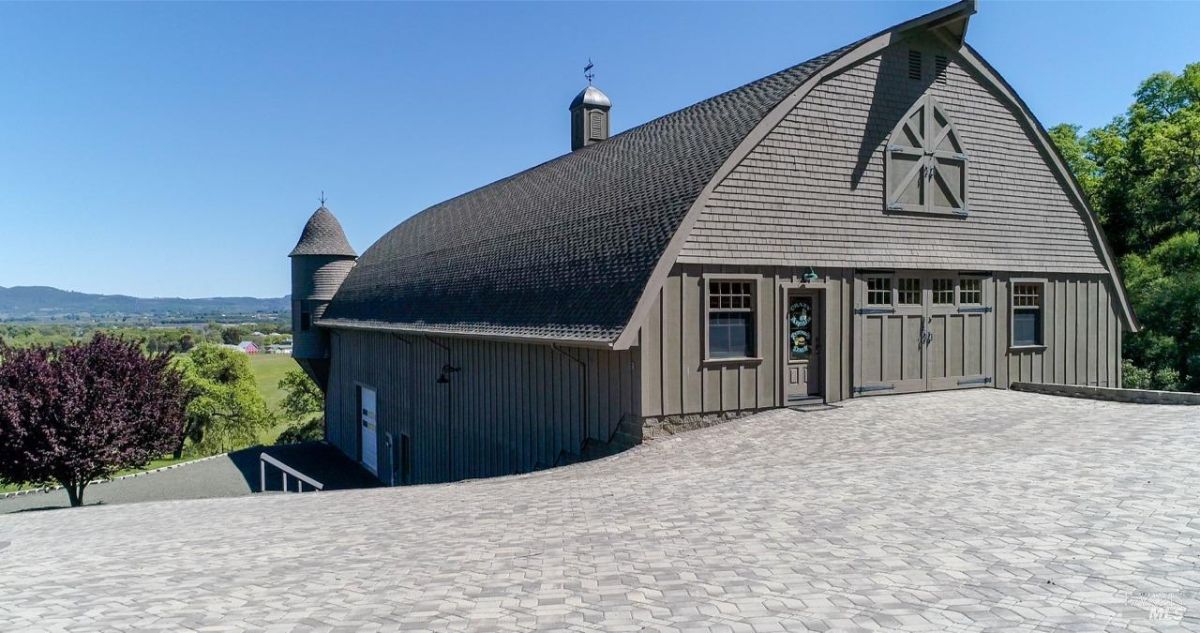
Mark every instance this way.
x=888 y=217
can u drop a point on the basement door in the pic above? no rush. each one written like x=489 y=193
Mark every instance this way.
x=921 y=331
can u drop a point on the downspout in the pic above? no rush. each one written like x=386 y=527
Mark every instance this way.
x=583 y=411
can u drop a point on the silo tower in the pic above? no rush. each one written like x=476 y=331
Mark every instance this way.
x=320 y=262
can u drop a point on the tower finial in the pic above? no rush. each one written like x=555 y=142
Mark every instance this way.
x=587 y=71
x=322 y=198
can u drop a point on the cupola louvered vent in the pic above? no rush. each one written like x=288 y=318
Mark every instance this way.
x=941 y=64
x=914 y=64
x=596 y=125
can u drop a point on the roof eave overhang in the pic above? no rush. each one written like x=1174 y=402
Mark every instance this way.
x=415 y=330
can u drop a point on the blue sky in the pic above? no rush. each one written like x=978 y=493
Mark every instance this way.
x=176 y=149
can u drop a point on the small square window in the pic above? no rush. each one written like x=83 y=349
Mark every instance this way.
x=909 y=291
x=970 y=291
x=879 y=291
x=943 y=291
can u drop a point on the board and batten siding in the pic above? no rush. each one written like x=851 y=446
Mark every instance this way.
x=511 y=407
x=1082 y=333
x=676 y=378
x=812 y=192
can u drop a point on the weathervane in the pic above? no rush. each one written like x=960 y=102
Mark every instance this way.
x=587 y=71
x=322 y=198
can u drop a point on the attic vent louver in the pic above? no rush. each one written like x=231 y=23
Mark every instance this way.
x=941 y=64
x=914 y=64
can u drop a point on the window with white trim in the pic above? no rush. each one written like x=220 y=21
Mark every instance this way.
x=731 y=319
x=1026 y=314
x=926 y=165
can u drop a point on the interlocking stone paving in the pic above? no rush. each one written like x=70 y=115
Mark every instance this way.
x=973 y=511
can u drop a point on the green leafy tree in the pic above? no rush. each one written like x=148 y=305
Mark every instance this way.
x=1074 y=149
x=1142 y=171
x=304 y=403
x=302 y=397
x=226 y=411
x=1164 y=287
x=232 y=335
x=1141 y=174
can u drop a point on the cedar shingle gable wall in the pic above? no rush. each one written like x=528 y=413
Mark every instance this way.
x=811 y=193
x=564 y=250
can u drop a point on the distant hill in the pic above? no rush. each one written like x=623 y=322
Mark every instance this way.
x=43 y=303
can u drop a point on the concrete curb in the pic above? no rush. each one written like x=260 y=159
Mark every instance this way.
x=48 y=489
x=1113 y=394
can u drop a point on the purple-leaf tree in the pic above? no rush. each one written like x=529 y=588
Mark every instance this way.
x=85 y=411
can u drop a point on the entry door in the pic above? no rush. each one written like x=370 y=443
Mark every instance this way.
x=802 y=371
x=369 y=430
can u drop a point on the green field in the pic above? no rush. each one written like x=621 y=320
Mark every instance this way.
x=268 y=371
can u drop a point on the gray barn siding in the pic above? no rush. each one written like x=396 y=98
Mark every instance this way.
x=677 y=380
x=812 y=192
x=512 y=408
x=1082 y=334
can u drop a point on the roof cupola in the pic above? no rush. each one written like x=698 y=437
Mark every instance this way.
x=589 y=114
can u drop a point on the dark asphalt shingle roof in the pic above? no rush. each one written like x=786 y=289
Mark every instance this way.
x=323 y=235
x=562 y=250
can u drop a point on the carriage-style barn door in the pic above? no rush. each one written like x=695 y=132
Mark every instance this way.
x=917 y=331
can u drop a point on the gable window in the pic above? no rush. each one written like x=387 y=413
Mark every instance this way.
x=970 y=291
x=731 y=319
x=909 y=291
x=1026 y=314
x=943 y=291
x=926 y=165
x=879 y=291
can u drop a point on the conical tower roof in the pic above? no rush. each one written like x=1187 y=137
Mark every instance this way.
x=323 y=235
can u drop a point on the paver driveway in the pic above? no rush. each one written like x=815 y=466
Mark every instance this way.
x=982 y=510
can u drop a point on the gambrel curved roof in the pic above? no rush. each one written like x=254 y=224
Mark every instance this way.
x=572 y=249
x=562 y=250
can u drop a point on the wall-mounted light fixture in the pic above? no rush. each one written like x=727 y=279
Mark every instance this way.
x=811 y=275
x=447 y=369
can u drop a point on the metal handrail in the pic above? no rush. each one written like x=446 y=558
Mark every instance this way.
x=301 y=478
